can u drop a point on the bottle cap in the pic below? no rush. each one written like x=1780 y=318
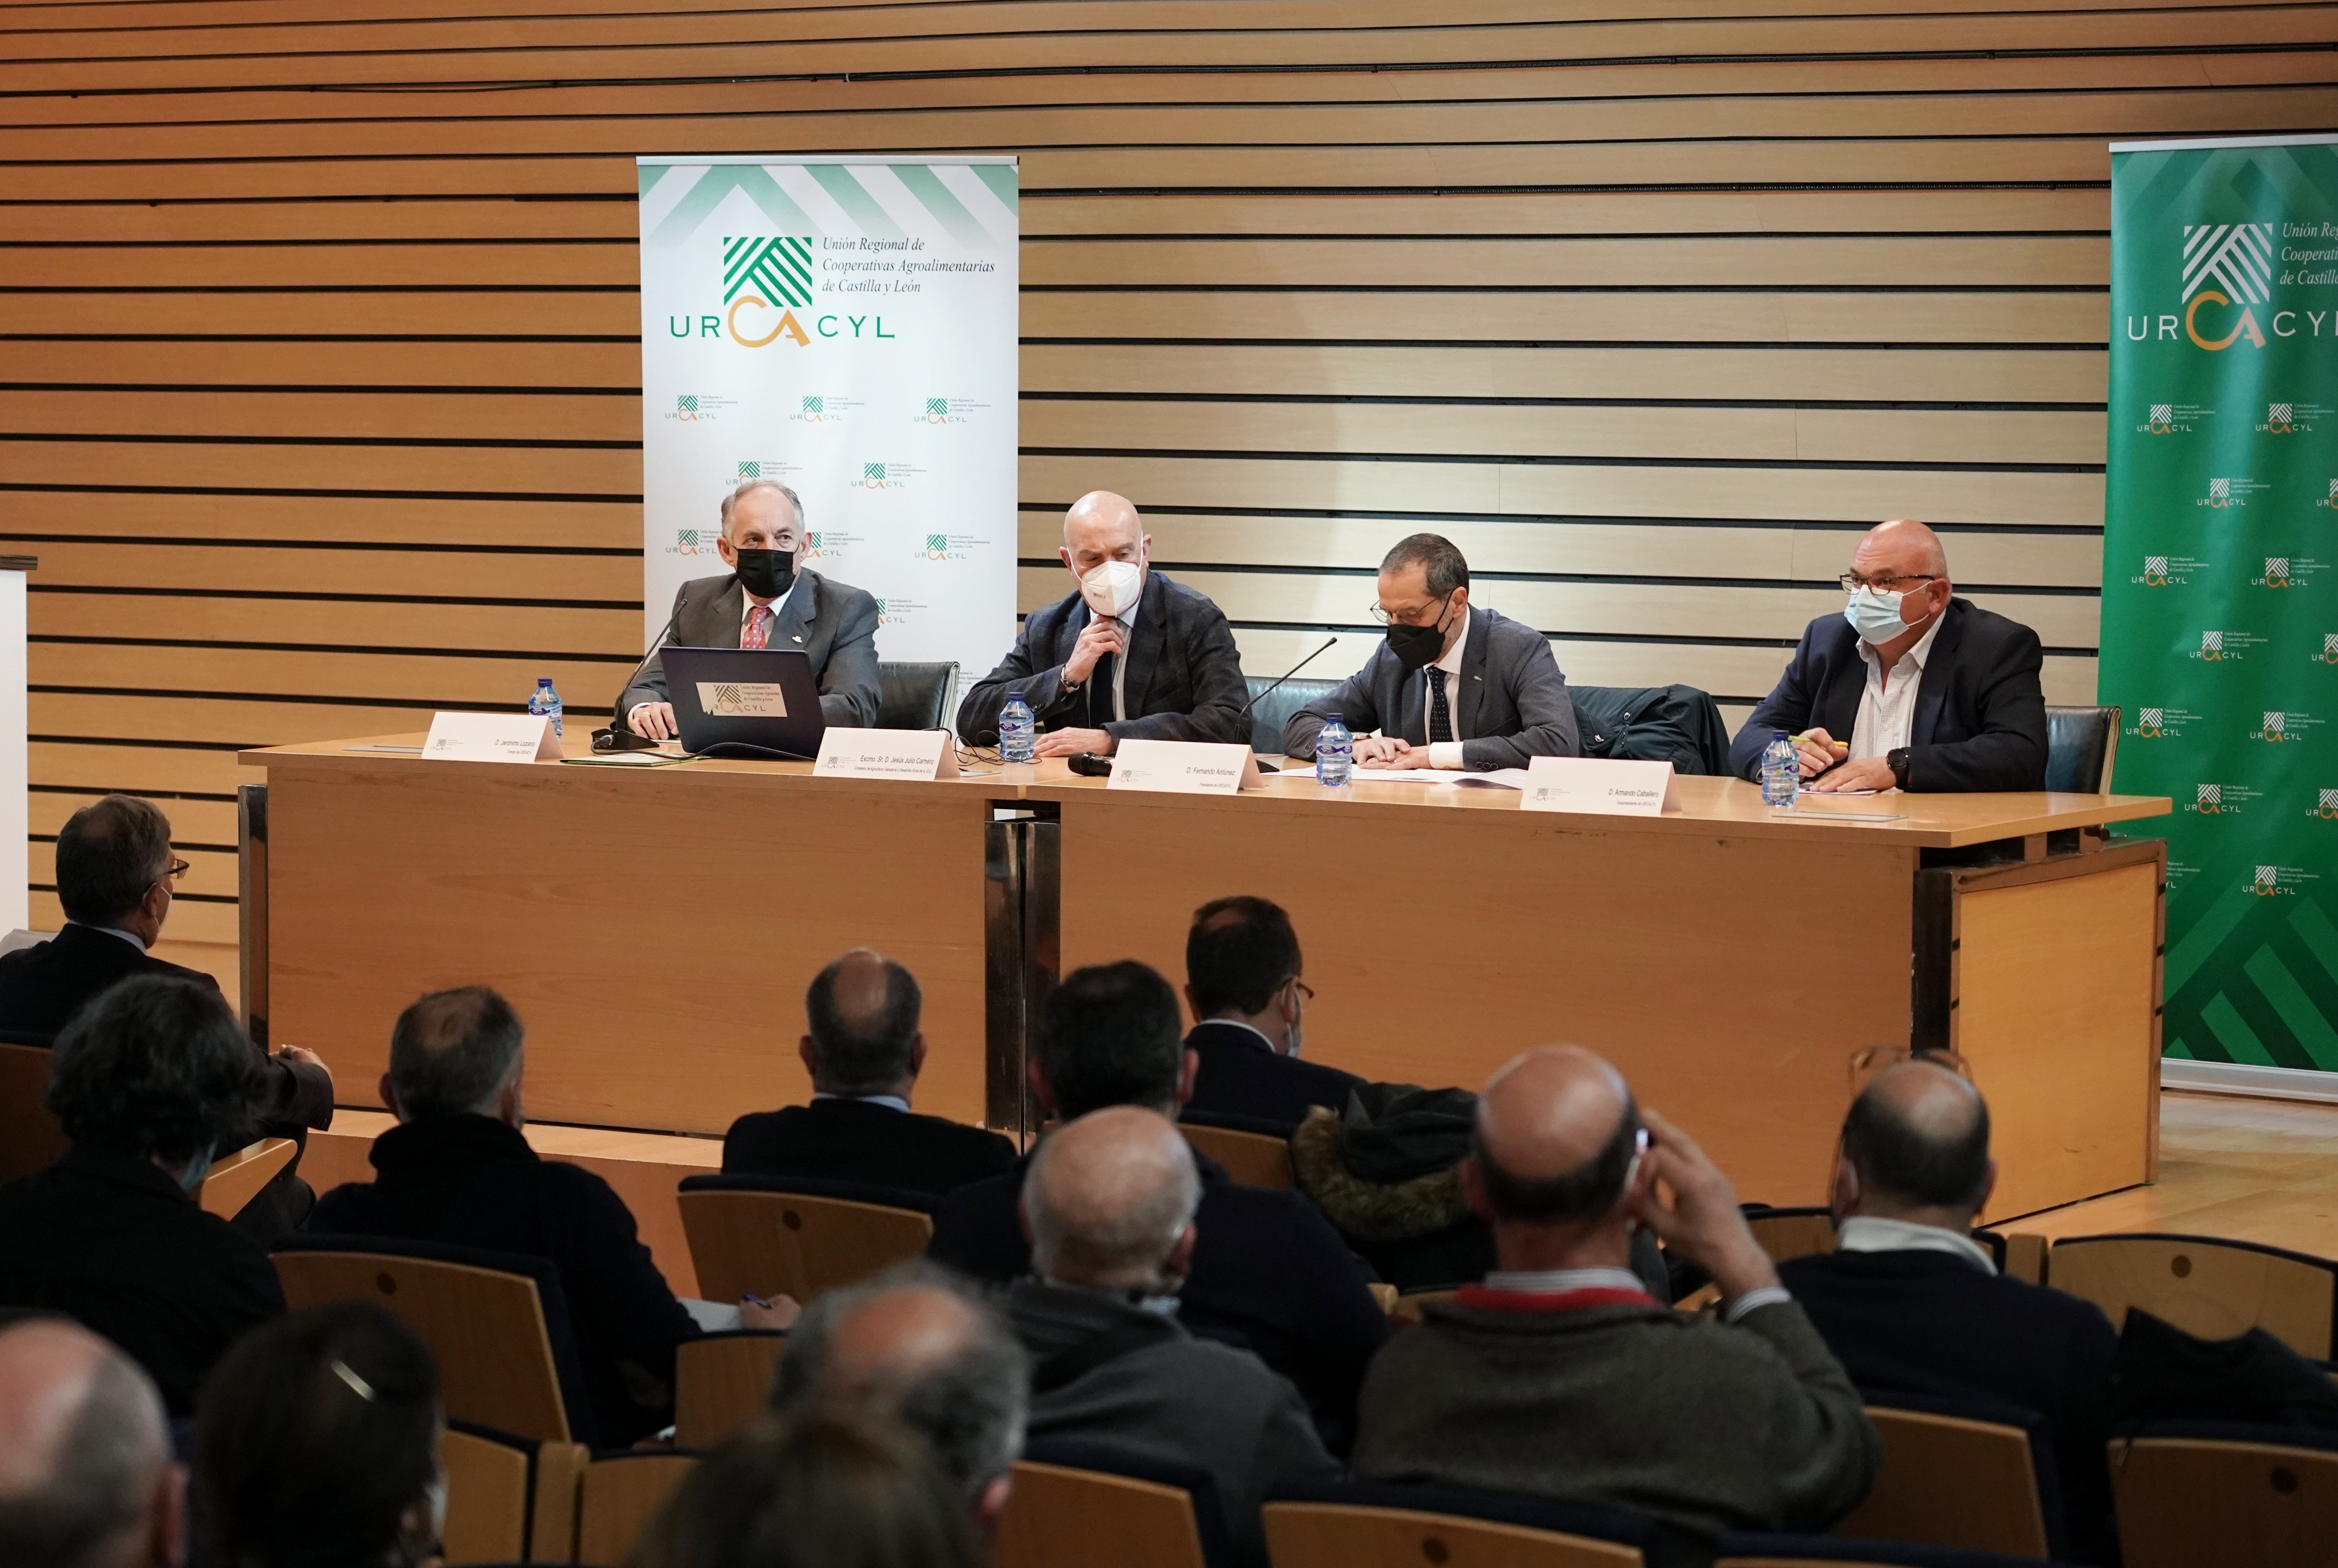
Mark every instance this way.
x=1334 y=718
x=1777 y=735
x=543 y=680
x=1016 y=696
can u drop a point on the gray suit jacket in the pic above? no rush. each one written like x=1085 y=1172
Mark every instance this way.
x=835 y=623
x=1513 y=703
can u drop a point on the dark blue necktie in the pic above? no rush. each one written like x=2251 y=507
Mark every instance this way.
x=1441 y=718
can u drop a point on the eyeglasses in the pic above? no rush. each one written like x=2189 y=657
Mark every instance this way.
x=178 y=868
x=1306 y=992
x=1853 y=582
x=1380 y=615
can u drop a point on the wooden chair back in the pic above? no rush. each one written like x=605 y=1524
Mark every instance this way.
x=486 y=1330
x=2215 y=1289
x=619 y=1494
x=509 y=1500
x=1251 y=1158
x=235 y=1180
x=1408 y=1307
x=1949 y=1480
x=1343 y=1535
x=2185 y=1501
x=722 y=1382
x=773 y=1244
x=1059 y=1517
x=30 y=1138
x=1786 y=1233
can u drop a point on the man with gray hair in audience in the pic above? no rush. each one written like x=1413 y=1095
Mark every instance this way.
x=456 y=1169
x=86 y=1478
x=928 y=1348
x=1108 y=1203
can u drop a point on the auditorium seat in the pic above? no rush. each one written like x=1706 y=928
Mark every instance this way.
x=1077 y=1503
x=496 y=1322
x=1252 y=1152
x=2199 y=1492
x=233 y=1181
x=619 y=1494
x=916 y=696
x=1786 y=1233
x=1965 y=1473
x=1347 y=1523
x=2209 y=1287
x=770 y=1236
x=507 y=1499
x=30 y=1138
x=722 y=1382
x=1271 y=712
x=2081 y=748
x=1754 y=1550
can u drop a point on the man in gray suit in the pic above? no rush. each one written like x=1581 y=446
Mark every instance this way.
x=1453 y=687
x=767 y=601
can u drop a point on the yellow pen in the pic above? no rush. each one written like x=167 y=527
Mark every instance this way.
x=1837 y=744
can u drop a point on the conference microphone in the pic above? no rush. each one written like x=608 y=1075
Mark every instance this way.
x=1089 y=765
x=617 y=736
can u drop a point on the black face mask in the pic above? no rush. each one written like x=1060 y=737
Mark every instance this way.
x=1415 y=646
x=766 y=573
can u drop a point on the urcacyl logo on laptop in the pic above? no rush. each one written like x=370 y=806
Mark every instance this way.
x=742 y=699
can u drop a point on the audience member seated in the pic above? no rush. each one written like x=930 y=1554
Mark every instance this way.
x=864 y=1054
x=919 y=1344
x=1560 y=1375
x=1909 y=1301
x=832 y=1489
x=151 y=1080
x=114 y=877
x=86 y=1479
x=317 y=1444
x=1268 y=1270
x=455 y=1170
x=1242 y=981
x=1109 y=1204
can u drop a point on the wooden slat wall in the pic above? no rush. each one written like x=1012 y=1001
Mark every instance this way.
x=320 y=399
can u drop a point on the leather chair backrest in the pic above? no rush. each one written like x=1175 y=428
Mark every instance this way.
x=2081 y=745
x=1270 y=713
x=916 y=696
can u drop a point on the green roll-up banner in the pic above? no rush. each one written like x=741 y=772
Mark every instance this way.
x=2220 y=576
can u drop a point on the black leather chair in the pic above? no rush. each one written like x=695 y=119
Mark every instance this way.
x=2081 y=746
x=1269 y=714
x=916 y=696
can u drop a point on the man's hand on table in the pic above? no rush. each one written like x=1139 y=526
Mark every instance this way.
x=652 y=721
x=1064 y=742
x=1867 y=773
x=1386 y=752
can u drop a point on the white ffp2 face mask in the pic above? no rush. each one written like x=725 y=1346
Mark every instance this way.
x=1112 y=588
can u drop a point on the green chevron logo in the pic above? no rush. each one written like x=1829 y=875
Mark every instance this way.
x=778 y=269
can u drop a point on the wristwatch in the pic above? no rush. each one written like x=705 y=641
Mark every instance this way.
x=1897 y=761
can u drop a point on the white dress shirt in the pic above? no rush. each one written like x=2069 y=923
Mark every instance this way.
x=1870 y=1233
x=131 y=937
x=1887 y=712
x=1447 y=754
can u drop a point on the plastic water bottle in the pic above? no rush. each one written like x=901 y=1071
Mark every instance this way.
x=1782 y=772
x=544 y=702
x=1335 y=752
x=1015 y=730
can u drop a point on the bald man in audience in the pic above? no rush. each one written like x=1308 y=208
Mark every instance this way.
x=1911 y=1302
x=1109 y=1204
x=927 y=1348
x=1560 y=1375
x=86 y=1477
x=1908 y=686
x=1127 y=655
x=864 y=1050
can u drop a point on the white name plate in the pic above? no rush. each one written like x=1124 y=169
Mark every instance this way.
x=1589 y=785
x=1183 y=767
x=491 y=737
x=887 y=754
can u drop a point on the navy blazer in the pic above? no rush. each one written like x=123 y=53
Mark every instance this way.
x=1239 y=1074
x=841 y=1140
x=474 y=1182
x=1185 y=676
x=1980 y=712
x=1512 y=704
x=1923 y=1322
x=834 y=623
x=1269 y=1271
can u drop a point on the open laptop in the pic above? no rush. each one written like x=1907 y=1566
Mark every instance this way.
x=745 y=702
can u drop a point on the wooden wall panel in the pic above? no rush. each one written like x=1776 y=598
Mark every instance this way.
x=321 y=407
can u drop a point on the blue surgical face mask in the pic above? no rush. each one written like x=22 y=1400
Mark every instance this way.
x=1875 y=616
x=197 y=1168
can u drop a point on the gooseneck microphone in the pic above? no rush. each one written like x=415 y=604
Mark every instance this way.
x=1287 y=674
x=1090 y=765
x=619 y=736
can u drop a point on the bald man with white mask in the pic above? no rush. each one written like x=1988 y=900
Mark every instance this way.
x=1908 y=686
x=1129 y=654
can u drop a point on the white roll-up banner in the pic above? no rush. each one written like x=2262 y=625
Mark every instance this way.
x=847 y=326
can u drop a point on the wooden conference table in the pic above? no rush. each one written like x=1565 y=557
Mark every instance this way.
x=656 y=927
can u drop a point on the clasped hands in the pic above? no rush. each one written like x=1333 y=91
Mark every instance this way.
x=1817 y=751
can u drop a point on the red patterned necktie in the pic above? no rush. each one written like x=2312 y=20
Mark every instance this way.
x=759 y=627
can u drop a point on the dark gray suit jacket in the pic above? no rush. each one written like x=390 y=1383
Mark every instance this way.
x=1185 y=677
x=1513 y=703
x=835 y=623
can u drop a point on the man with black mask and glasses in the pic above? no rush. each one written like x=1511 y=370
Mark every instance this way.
x=1455 y=687
x=767 y=600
